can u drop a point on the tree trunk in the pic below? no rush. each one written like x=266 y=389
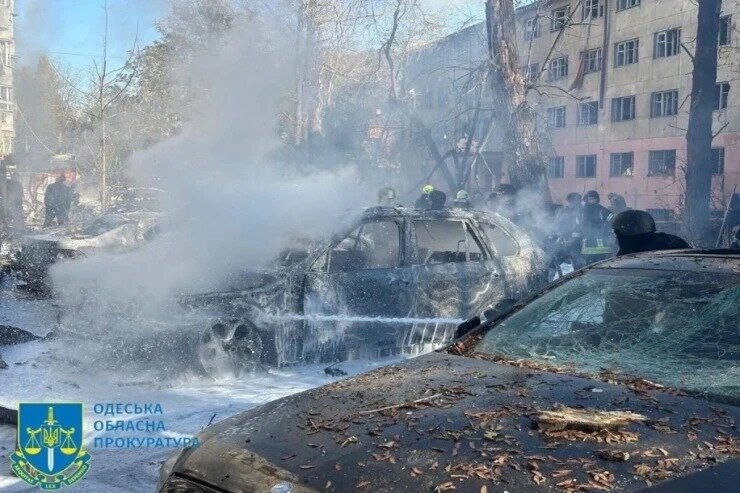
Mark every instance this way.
x=521 y=151
x=699 y=134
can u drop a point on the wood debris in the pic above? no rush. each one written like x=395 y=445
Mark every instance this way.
x=565 y=418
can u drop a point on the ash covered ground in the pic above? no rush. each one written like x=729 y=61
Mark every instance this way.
x=189 y=400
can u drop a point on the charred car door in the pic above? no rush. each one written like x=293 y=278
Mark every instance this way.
x=454 y=272
x=359 y=278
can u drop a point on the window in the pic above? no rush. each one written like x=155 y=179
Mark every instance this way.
x=662 y=163
x=559 y=18
x=556 y=117
x=558 y=67
x=621 y=164
x=626 y=52
x=593 y=9
x=531 y=28
x=6 y=94
x=718 y=160
x=6 y=117
x=443 y=241
x=627 y=4
x=588 y=113
x=664 y=103
x=556 y=167
x=725 y=28
x=721 y=95
x=374 y=245
x=667 y=43
x=5 y=58
x=586 y=166
x=591 y=60
x=623 y=109
x=501 y=241
x=531 y=71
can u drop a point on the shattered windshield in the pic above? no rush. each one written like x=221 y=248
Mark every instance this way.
x=680 y=329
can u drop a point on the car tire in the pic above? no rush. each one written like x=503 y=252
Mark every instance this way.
x=230 y=347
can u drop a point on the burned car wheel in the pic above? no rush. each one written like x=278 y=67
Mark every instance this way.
x=230 y=347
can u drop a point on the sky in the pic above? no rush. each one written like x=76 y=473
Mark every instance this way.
x=71 y=31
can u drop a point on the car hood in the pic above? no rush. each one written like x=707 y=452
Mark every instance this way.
x=443 y=421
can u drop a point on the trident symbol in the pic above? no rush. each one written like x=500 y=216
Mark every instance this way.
x=50 y=437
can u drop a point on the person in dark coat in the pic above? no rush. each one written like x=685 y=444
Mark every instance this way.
x=437 y=200
x=635 y=231
x=597 y=244
x=57 y=201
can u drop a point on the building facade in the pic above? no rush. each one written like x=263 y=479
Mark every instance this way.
x=7 y=55
x=616 y=85
x=612 y=85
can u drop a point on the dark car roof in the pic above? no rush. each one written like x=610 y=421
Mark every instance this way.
x=466 y=422
x=719 y=261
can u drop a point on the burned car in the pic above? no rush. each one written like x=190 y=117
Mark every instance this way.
x=111 y=232
x=395 y=280
x=622 y=376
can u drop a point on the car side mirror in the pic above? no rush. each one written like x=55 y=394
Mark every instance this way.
x=501 y=307
x=467 y=326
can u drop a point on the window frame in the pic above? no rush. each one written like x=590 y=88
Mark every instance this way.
x=652 y=172
x=718 y=161
x=721 y=96
x=725 y=24
x=562 y=72
x=587 y=60
x=322 y=263
x=554 y=115
x=634 y=52
x=559 y=162
x=558 y=23
x=620 y=163
x=627 y=4
x=620 y=101
x=532 y=32
x=594 y=105
x=673 y=44
x=582 y=164
x=663 y=104
x=588 y=8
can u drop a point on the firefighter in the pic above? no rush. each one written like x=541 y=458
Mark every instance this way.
x=424 y=202
x=437 y=200
x=596 y=242
x=387 y=197
x=635 y=231
x=462 y=200
x=569 y=226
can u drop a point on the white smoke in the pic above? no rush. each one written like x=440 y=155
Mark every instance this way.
x=228 y=206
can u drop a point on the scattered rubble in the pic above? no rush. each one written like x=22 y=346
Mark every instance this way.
x=10 y=335
x=565 y=418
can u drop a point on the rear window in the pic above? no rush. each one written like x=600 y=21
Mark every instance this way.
x=681 y=329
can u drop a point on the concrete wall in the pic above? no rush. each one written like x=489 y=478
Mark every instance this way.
x=7 y=106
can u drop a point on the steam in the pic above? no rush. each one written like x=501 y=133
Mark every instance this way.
x=228 y=207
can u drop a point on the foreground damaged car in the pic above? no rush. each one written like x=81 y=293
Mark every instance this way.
x=623 y=376
x=396 y=280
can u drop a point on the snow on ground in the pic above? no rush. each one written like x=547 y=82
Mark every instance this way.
x=189 y=402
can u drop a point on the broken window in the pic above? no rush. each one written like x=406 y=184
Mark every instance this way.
x=559 y=18
x=374 y=245
x=667 y=43
x=673 y=327
x=443 y=241
x=626 y=52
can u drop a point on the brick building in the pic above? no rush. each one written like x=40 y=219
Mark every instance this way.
x=613 y=84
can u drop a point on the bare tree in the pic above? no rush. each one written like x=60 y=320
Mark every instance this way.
x=699 y=134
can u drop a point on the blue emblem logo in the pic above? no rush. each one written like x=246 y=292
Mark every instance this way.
x=50 y=453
